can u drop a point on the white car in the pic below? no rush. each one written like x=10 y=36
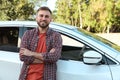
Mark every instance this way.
x=84 y=56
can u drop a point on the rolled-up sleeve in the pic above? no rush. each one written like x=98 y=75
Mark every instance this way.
x=25 y=44
x=57 y=45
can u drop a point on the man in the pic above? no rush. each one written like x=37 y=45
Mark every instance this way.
x=40 y=49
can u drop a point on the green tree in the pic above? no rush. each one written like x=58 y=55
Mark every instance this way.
x=63 y=14
x=97 y=15
x=93 y=15
x=116 y=21
x=16 y=9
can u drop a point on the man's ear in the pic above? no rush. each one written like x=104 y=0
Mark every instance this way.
x=36 y=18
x=52 y=20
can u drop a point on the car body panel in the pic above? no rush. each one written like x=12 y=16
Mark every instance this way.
x=75 y=70
x=115 y=69
x=10 y=66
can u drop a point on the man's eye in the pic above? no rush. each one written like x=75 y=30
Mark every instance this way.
x=46 y=16
x=40 y=15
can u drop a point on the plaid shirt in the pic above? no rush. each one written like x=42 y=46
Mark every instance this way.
x=53 y=40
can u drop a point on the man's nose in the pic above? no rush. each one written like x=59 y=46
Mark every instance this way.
x=43 y=18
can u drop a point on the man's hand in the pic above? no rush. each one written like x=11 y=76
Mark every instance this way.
x=26 y=52
x=52 y=50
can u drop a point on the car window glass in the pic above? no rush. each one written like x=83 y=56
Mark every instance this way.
x=71 y=42
x=74 y=50
x=9 y=38
x=71 y=48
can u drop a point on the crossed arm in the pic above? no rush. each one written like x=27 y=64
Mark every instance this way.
x=38 y=56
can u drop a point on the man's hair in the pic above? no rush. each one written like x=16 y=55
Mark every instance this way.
x=44 y=8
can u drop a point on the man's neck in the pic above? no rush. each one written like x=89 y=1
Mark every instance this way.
x=43 y=30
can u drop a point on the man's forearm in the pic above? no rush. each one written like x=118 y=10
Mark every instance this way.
x=37 y=56
x=37 y=61
x=26 y=52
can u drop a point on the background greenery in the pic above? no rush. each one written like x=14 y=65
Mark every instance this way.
x=16 y=9
x=101 y=16
x=97 y=16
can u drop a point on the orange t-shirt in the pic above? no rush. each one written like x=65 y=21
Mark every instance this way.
x=35 y=71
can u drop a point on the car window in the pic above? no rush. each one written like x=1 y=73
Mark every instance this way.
x=71 y=48
x=74 y=50
x=9 y=38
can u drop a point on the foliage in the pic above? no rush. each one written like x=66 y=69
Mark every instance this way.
x=16 y=9
x=93 y=15
x=63 y=14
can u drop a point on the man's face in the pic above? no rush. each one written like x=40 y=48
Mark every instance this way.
x=43 y=18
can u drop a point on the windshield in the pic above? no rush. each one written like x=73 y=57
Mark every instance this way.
x=107 y=42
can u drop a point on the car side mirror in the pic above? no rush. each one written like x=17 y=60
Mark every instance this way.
x=92 y=57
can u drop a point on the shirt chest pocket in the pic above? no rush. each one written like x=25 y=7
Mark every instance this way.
x=33 y=43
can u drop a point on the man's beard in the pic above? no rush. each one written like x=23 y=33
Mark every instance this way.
x=43 y=24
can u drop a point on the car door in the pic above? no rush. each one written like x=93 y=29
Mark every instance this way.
x=72 y=67
x=10 y=65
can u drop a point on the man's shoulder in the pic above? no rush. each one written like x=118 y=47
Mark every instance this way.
x=32 y=30
x=54 y=32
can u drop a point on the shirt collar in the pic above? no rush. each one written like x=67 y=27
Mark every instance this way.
x=49 y=30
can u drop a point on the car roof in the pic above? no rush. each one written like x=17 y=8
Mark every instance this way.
x=32 y=24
